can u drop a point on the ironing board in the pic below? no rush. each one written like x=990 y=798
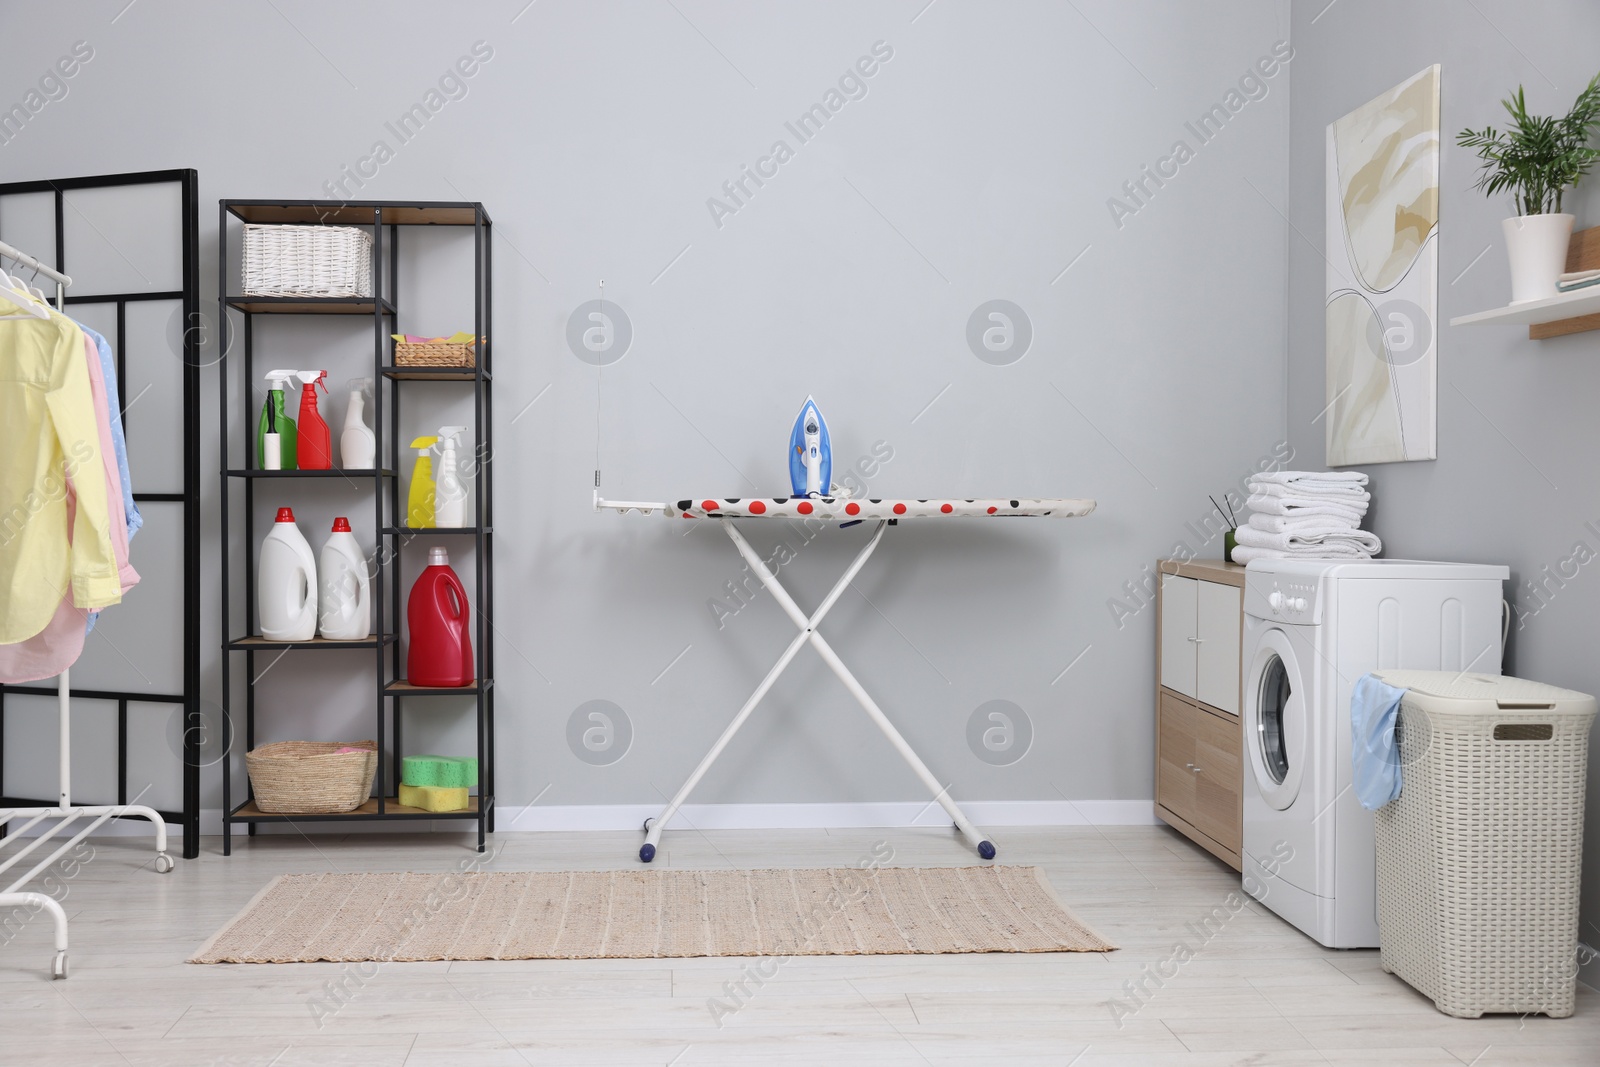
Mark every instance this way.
x=847 y=513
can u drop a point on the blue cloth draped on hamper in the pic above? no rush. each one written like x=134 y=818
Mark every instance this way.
x=1374 y=711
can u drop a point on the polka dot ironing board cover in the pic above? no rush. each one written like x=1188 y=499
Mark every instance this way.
x=833 y=507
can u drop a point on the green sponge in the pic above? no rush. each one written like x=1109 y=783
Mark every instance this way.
x=433 y=798
x=451 y=772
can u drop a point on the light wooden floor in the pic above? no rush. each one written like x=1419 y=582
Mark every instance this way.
x=1257 y=993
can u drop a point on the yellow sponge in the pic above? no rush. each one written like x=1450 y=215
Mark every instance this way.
x=433 y=797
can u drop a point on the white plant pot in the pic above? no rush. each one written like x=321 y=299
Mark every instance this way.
x=1537 y=248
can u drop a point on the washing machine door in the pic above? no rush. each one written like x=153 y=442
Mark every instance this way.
x=1275 y=718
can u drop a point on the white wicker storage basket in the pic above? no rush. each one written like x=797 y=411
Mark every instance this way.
x=1479 y=857
x=307 y=261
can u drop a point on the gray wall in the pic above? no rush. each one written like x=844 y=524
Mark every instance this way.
x=978 y=166
x=1515 y=482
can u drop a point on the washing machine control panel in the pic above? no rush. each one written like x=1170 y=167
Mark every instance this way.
x=1284 y=600
x=1292 y=600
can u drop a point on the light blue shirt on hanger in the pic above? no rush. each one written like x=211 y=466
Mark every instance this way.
x=119 y=440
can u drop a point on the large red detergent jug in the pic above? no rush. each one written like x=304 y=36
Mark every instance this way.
x=440 y=652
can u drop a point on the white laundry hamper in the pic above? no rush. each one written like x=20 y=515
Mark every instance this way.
x=1479 y=858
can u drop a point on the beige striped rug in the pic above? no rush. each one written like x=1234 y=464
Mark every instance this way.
x=304 y=918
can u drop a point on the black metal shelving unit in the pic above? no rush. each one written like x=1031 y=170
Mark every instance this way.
x=187 y=295
x=386 y=220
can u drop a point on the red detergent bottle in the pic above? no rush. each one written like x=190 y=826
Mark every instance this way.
x=440 y=652
x=316 y=443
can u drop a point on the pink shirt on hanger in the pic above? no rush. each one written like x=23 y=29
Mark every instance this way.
x=58 y=646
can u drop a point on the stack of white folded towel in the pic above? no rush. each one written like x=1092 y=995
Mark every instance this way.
x=1307 y=515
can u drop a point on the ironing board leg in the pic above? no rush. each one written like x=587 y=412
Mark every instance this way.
x=984 y=847
x=653 y=827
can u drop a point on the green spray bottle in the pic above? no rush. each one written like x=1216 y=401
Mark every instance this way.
x=276 y=427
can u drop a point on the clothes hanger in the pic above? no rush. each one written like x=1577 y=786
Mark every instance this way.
x=34 y=289
x=19 y=294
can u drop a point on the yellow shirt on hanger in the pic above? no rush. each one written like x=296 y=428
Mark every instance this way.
x=49 y=433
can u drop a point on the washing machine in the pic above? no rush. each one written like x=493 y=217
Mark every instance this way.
x=1311 y=629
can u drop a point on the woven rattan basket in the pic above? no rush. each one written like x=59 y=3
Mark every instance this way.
x=438 y=354
x=307 y=261
x=1479 y=857
x=311 y=777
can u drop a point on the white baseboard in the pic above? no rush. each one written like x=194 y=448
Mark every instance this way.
x=540 y=817
x=828 y=816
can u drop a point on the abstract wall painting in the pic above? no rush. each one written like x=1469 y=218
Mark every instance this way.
x=1382 y=292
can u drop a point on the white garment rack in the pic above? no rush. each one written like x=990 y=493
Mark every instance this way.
x=14 y=896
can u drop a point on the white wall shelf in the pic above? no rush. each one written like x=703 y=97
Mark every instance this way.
x=1537 y=312
x=1554 y=316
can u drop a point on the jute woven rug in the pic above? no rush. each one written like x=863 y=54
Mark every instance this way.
x=304 y=918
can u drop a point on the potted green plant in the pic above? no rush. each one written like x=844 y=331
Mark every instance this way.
x=1536 y=159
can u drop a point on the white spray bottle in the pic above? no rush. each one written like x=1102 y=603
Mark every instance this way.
x=358 y=449
x=450 y=495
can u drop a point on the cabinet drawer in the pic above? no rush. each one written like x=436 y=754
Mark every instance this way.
x=1218 y=778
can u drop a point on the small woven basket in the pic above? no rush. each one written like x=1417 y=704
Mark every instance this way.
x=311 y=777
x=438 y=354
x=284 y=260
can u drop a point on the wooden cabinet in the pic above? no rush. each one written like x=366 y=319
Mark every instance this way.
x=1199 y=764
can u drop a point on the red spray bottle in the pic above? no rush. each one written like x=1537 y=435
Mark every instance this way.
x=440 y=652
x=316 y=443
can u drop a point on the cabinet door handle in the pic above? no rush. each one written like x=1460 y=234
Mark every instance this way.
x=1198 y=640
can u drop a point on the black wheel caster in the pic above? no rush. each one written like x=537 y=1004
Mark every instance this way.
x=986 y=849
x=647 y=852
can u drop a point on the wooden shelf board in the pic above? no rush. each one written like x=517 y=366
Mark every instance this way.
x=404 y=688
x=356 y=213
x=432 y=374
x=309 y=305
x=428 y=531
x=331 y=472
x=248 y=812
x=256 y=643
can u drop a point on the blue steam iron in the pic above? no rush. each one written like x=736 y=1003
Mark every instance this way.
x=810 y=453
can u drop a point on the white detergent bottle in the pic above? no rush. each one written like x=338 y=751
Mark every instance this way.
x=343 y=611
x=286 y=583
x=450 y=493
x=358 y=449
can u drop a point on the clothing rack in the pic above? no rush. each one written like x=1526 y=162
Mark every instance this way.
x=14 y=896
x=201 y=733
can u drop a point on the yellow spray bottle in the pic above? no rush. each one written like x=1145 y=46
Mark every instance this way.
x=419 y=502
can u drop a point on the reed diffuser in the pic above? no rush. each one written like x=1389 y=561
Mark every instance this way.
x=1230 y=539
